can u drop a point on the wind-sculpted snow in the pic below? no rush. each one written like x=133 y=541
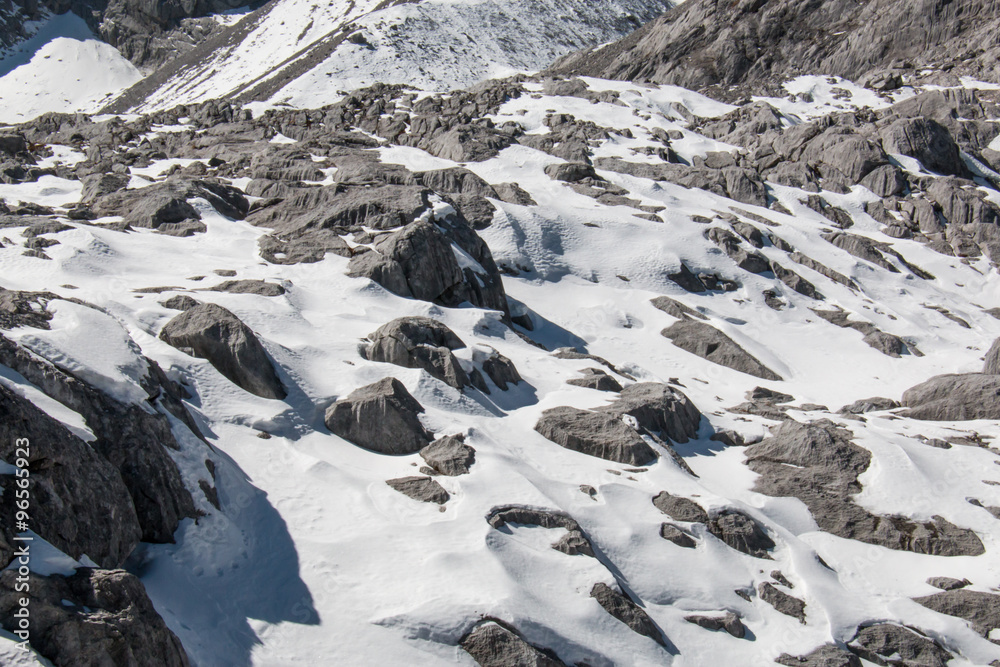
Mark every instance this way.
x=473 y=444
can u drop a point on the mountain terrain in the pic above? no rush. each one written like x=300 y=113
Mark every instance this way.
x=650 y=357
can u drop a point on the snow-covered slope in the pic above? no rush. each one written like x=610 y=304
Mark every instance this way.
x=303 y=53
x=64 y=68
x=311 y=558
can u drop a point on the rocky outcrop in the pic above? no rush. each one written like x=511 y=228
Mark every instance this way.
x=498 y=368
x=677 y=536
x=658 y=408
x=574 y=542
x=620 y=606
x=164 y=206
x=729 y=622
x=493 y=645
x=449 y=456
x=709 y=343
x=741 y=532
x=94 y=617
x=818 y=464
x=420 y=342
x=829 y=655
x=595 y=434
x=258 y=287
x=423 y=489
x=211 y=332
x=885 y=643
x=680 y=509
x=382 y=417
x=981 y=610
x=595 y=378
x=782 y=601
x=954 y=398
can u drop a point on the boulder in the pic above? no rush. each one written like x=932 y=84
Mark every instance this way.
x=982 y=610
x=676 y=308
x=709 y=343
x=741 y=532
x=991 y=364
x=419 y=342
x=628 y=612
x=211 y=332
x=948 y=583
x=449 y=456
x=886 y=643
x=729 y=622
x=499 y=368
x=680 y=509
x=926 y=140
x=93 y=617
x=493 y=645
x=98 y=185
x=783 y=602
x=824 y=656
x=595 y=378
x=885 y=181
x=596 y=434
x=423 y=489
x=380 y=417
x=658 y=408
x=179 y=302
x=866 y=405
x=570 y=172
x=259 y=287
x=954 y=398
x=677 y=536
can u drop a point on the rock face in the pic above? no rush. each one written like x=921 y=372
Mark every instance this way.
x=658 y=408
x=982 y=610
x=449 y=456
x=493 y=645
x=94 y=617
x=628 y=612
x=211 y=332
x=574 y=542
x=79 y=502
x=887 y=642
x=420 y=342
x=381 y=417
x=680 y=509
x=595 y=378
x=819 y=464
x=824 y=656
x=782 y=601
x=954 y=398
x=423 y=489
x=709 y=343
x=596 y=434
x=741 y=532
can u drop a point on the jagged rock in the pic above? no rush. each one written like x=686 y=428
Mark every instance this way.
x=165 y=204
x=419 y=342
x=381 y=417
x=688 y=280
x=887 y=344
x=211 y=332
x=259 y=287
x=570 y=172
x=754 y=262
x=492 y=645
x=676 y=308
x=500 y=369
x=424 y=489
x=728 y=438
x=768 y=395
x=573 y=543
x=819 y=464
x=824 y=656
x=680 y=509
x=79 y=502
x=595 y=378
x=741 y=533
x=709 y=343
x=658 y=408
x=869 y=405
x=927 y=141
x=885 y=181
x=98 y=185
x=954 y=398
x=795 y=281
x=628 y=612
x=948 y=583
x=822 y=269
x=94 y=617
x=991 y=364
x=730 y=622
x=677 y=536
x=179 y=302
x=596 y=434
x=982 y=610
x=886 y=644
x=862 y=248
x=449 y=455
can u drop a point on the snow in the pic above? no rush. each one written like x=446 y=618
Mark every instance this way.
x=62 y=68
x=314 y=555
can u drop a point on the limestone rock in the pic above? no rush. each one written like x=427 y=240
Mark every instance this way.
x=419 y=342
x=886 y=643
x=595 y=378
x=709 y=343
x=381 y=417
x=449 y=455
x=596 y=434
x=628 y=612
x=658 y=408
x=680 y=509
x=493 y=645
x=423 y=489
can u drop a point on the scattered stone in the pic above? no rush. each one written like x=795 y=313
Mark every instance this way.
x=595 y=378
x=948 y=583
x=423 y=489
x=179 y=302
x=493 y=645
x=677 y=536
x=449 y=456
x=381 y=417
x=627 y=611
x=783 y=602
x=709 y=343
x=889 y=644
x=866 y=405
x=730 y=622
x=676 y=308
x=259 y=287
x=742 y=533
x=680 y=509
x=596 y=434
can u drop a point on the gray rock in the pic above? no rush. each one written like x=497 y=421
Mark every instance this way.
x=628 y=612
x=658 y=408
x=866 y=405
x=179 y=302
x=887 y=344
x=754 y=262
x=449 y=455
x=729 y=622
x=79 y=502
x=991 y=365
x=94 y=617
x=570 y=172
x=596 y=434
x=886 y=643
x=259 y=287
x=709 y=343
x=165 y=203
x=211 y=332
x=380 y=417
x=948 y=583
x=677 y=536
x=741 y=532
x=982 y=610
x=783 y=602
x=822 y=269
x=687 y=280
x=824 y=656
x=492 y=645
x=595 y=378
x=795 y=281
x=954 y=398
x=927 y=141
x=862 y=248
x=575 y=542
x=419 y=342
x=885 y=181
x=728 y=438
x=98 y=185
x=676 y=308
x=680 y=509
x=423 y=489
x=501 y=370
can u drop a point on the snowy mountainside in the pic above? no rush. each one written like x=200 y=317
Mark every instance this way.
x=604 y=215
x=302 y=53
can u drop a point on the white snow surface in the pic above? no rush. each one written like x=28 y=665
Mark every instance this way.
x=313 y=559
